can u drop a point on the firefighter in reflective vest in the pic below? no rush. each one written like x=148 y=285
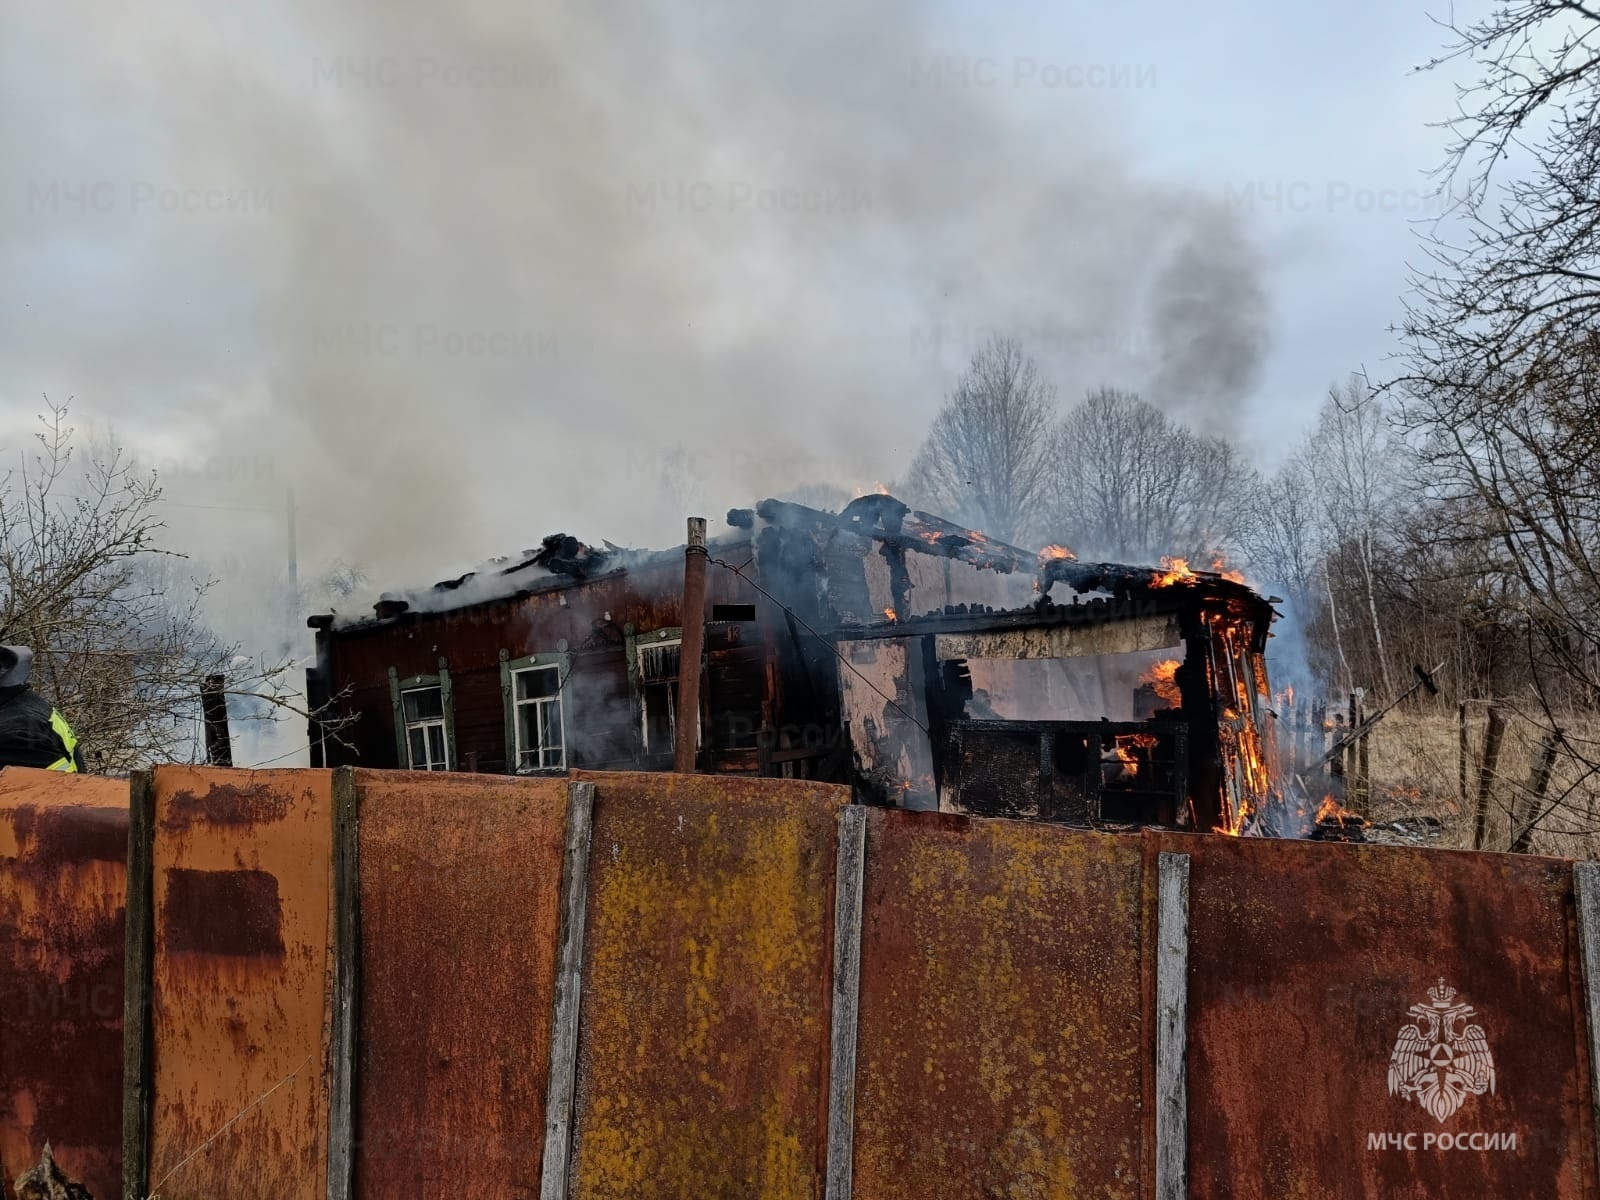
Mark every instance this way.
x=32 y=734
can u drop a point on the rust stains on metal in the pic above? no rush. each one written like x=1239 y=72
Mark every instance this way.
x=50 y=838
x=1000 y=1035
x=460 y=888
x=1306 y=961
x=62 y=891
x=702 y=1061
x=222 y=913
x=224 y=803
x=240 y=1039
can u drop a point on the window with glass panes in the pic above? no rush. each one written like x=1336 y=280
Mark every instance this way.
x=427 y=746
x=540 y=727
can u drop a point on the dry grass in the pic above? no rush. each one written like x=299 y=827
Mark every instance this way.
x=1415 y=761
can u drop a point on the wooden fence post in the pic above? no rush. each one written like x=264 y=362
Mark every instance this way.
x=563 y=1076
x=1586 y=897
x=1302 y=737
x=1336 y=764
x=1526 y=810
x=1491 y=758
x=1355 y=756
x=1319 y=736
x=346 y=985
x=138 y=980
x=851 y=873
x=1172 y=1027
x=1363 y=801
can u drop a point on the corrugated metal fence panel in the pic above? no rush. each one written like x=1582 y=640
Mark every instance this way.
x=1000 y=1038
x=460 y=894
x=241 y=974
x=63 y=887
x=705 y=1013
x=1305 y=963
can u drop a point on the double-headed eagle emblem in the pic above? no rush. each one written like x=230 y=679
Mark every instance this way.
x=1441 y=1060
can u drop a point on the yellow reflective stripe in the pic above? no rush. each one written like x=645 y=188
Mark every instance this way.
x=63 y=731
x=68 y=739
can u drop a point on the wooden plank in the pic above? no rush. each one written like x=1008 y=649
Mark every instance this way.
x=1172 y=1004
x=1486 y=774
x=1527 y=810
x=846 y=999
x=346 y=985
x=1586 y=894
x=569 y=985
x=139 y=948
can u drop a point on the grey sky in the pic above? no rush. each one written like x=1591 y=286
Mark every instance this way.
x=206 y=208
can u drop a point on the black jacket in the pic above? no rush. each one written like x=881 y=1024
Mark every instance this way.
x=27 y=738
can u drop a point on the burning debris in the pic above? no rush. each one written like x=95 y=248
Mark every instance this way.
x=1128 y=751
x=1106 y=693
x=936 y=668
x=1336 y=823
x=1174 y=571
x=1162 y=680
x=562 y=554
x=1220 y=568
x=559 y=557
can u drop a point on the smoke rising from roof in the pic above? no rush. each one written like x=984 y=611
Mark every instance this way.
x=464 y=275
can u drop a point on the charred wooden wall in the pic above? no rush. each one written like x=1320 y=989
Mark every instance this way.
x=749 y=666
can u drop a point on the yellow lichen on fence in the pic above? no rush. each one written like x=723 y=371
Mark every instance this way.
x=705 y=999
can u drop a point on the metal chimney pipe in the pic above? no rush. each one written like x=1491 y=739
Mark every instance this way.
x=693 y=622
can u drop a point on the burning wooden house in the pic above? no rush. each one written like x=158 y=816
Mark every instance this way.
x=929 y=666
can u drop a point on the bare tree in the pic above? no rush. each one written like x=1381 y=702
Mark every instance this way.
x=1355 y=468
x=985 y=461
x=1499 y=387
x=1280 y=535
x=1131 y=483
x=121 y=646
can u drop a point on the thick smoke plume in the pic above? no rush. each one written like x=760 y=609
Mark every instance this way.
x=463 y=275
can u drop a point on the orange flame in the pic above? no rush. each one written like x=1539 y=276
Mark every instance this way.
x=890 y=613
x=1123 y=747
x=1220 y=566
x=1332 y=810
x=1163 y=677
x=1056 y=552
x=1174 y=570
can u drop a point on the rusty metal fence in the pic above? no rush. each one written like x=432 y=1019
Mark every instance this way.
x=383 y=984
x=63 y=839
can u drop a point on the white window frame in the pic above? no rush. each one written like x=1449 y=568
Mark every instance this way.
x=440 y=723
x=672 y=692
x=638 y=643
x=540 y=705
